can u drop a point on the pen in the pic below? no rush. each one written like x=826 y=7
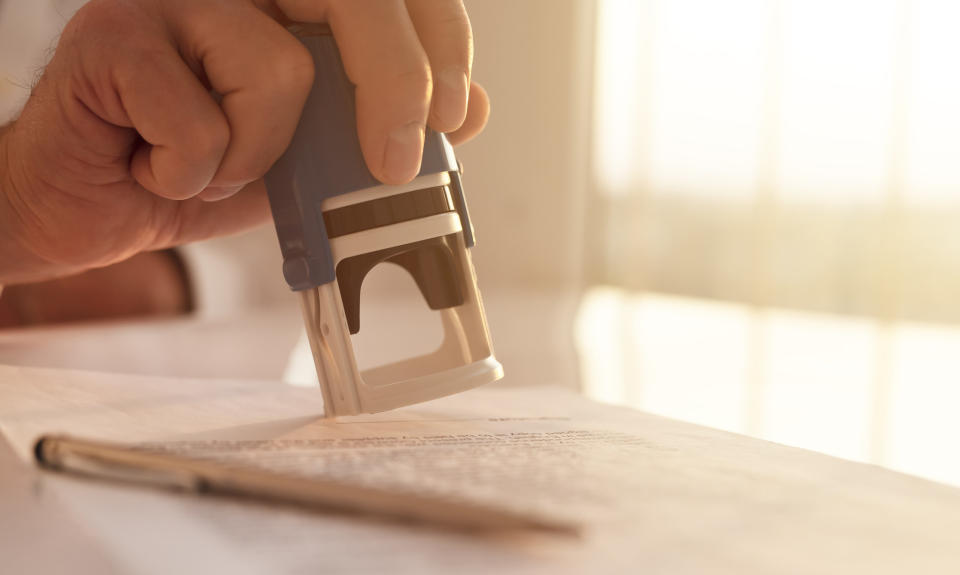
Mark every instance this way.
x=126 y=463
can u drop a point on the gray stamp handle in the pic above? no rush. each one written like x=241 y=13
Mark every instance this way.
x=324 y=160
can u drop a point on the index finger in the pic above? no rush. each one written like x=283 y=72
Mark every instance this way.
x=383 y=57
x=446 y=35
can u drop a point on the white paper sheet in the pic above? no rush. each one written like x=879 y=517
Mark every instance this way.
x=658 y=495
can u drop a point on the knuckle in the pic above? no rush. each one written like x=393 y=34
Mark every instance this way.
x=113 y=37
x=99 y=17
x=292 y=67
x=130 y=67
x=449 y=25
x=208 y=139
x=455 y=18
x=417 y=79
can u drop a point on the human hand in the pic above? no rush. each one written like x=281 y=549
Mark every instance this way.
x=156 y=119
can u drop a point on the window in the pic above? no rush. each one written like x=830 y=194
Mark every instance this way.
x=776 y=220
x=800 y=153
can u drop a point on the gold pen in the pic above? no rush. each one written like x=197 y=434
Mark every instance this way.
x=126 y=463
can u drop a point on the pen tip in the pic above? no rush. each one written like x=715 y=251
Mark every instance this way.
x=38 y=450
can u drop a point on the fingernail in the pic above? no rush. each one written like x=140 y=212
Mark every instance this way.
x=217 y=193
x=450 y=98
x=401 y=159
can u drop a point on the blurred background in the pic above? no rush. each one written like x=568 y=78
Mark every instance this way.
x=756 y=201
x=740 y=213
x=771 y=222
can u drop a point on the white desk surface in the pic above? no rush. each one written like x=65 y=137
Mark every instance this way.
x=38 y=528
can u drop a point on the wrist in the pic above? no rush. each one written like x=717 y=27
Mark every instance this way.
x=9 y=259
x=18 y=263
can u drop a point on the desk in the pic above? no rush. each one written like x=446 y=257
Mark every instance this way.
x=163 y=533
x=252 y=346
x=532 y=335
x=883 y=393
x=37 y=534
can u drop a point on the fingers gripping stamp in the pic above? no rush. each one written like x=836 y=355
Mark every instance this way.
x=336 y=222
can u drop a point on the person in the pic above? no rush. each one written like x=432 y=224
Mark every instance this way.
x=155 y=120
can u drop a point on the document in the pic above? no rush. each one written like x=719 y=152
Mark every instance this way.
x=487 y=448
x=669 y=495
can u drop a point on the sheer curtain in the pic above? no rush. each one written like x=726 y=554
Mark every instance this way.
x=774 y=220
x=800 y=153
